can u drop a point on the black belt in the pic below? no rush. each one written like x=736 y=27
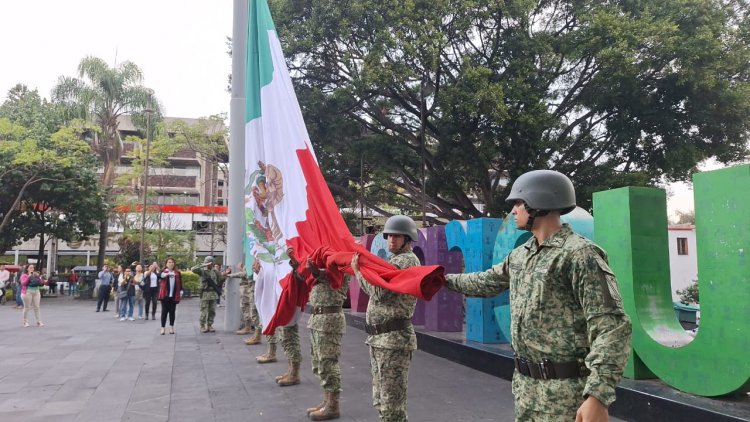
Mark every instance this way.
x=388 y=326
x=547 y=369
x=317 y=310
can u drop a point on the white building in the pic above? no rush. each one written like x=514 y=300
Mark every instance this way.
x=683 y=257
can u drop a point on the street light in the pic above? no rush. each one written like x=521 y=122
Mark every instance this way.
x=149 y=110
x=425 y=90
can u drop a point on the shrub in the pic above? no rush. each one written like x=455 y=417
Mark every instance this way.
x=191 y=281
x=690 y=294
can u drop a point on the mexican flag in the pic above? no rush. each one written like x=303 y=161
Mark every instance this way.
x=287 y=201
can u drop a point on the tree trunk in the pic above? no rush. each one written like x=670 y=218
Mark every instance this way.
x=103 y=232
x=107 y=181
x=40 y=254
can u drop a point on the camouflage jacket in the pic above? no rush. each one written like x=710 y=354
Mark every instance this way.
x=246 y=279
x=212 y=274
x=565 y=306
x=385 y=305
x=322 y=294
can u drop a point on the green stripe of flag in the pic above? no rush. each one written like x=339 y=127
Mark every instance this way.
x=259 y=70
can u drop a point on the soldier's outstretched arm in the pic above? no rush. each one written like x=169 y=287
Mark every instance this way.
x=366 y=287
x=608 y=326
x=484 y=284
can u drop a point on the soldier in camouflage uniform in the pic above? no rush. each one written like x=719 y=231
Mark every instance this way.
x=391 y=335
x=247 y=304
x=569 y=331
x=289 y=337
x=254 y=317
x=211 y=278
x=327 y=326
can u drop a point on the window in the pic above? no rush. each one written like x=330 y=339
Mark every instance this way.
x=220 y=202
x=221 y=193
x=682 y=246
x=221 y=183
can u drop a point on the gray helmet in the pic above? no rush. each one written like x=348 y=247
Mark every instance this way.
x=208 y=259
x=544 y=190
x=401 y=224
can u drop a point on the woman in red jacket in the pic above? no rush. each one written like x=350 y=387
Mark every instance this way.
x=170 y=286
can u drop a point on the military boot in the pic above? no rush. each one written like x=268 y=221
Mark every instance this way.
x=330 y=411
x=255 y=339
x=204 y=329
x=247 y=329
x=269 y=356
x=210 y=329
x=320 y=406
x=292 y=378
x=285 y=374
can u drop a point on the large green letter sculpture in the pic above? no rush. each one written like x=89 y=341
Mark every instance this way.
x=631 y=225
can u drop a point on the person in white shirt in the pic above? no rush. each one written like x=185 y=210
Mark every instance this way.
x=151 y=288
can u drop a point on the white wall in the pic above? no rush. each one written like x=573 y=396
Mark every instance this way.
x=683 y=268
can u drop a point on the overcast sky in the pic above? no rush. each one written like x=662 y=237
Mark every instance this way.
x=180 y=45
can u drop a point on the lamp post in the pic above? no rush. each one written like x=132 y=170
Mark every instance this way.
x=425 y=89
x=149 y=110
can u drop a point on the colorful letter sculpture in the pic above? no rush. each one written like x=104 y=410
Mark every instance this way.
x=476 y=240
x=631 y=225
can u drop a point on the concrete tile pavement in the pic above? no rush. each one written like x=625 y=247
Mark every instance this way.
x=86 y=366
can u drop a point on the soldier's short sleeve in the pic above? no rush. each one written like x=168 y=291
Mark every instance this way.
x=484 y=284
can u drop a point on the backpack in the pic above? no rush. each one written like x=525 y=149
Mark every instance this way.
x=35 y=281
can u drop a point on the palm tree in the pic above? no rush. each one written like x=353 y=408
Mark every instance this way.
x=101 y=95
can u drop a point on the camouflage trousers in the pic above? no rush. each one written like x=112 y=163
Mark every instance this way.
x=325 y=350
x=289 y=337
x=208 y=311
x=390 y=378
x=529 y=415
x=247 y=303
x=271 y=339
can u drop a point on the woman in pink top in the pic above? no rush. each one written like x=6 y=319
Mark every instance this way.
x=30 y=284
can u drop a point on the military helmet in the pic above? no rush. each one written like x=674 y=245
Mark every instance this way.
x=401 y=224
x=544 y=190
x=208 y=259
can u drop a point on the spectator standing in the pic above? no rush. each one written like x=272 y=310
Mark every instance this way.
x=170 y=288
x=4 y=279
x=139 y=284
x=151 y=288
x=30 y=284
x=53 y=279
x=106 y=279
x=119 y=274
x=72 y=283
x=126 y=294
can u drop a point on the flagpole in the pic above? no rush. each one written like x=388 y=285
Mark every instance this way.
x=236 y=218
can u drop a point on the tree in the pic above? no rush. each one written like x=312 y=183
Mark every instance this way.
x=52 y=186
x=610 y=93
x=101 y=95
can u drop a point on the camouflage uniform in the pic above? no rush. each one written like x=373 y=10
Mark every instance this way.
x=208 y=295
x=390 y=353
x=565 y=307
x=326 y=332
x=289 y=337
x=247 y=299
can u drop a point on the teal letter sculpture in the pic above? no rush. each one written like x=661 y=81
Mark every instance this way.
x=631 y=225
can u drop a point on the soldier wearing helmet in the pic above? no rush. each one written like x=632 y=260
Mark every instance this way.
x=211 y=279
x=391 y=335
x=569 y=331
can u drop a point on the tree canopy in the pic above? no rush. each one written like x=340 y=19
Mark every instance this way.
x=610 y=93
x=101 y=95
x=48 y=174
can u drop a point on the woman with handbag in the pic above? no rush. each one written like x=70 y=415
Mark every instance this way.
x=30 y=284
x=170 y=287
x=138 y=278
x=126 y=293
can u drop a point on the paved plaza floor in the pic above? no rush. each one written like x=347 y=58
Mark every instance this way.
x=88 y=366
